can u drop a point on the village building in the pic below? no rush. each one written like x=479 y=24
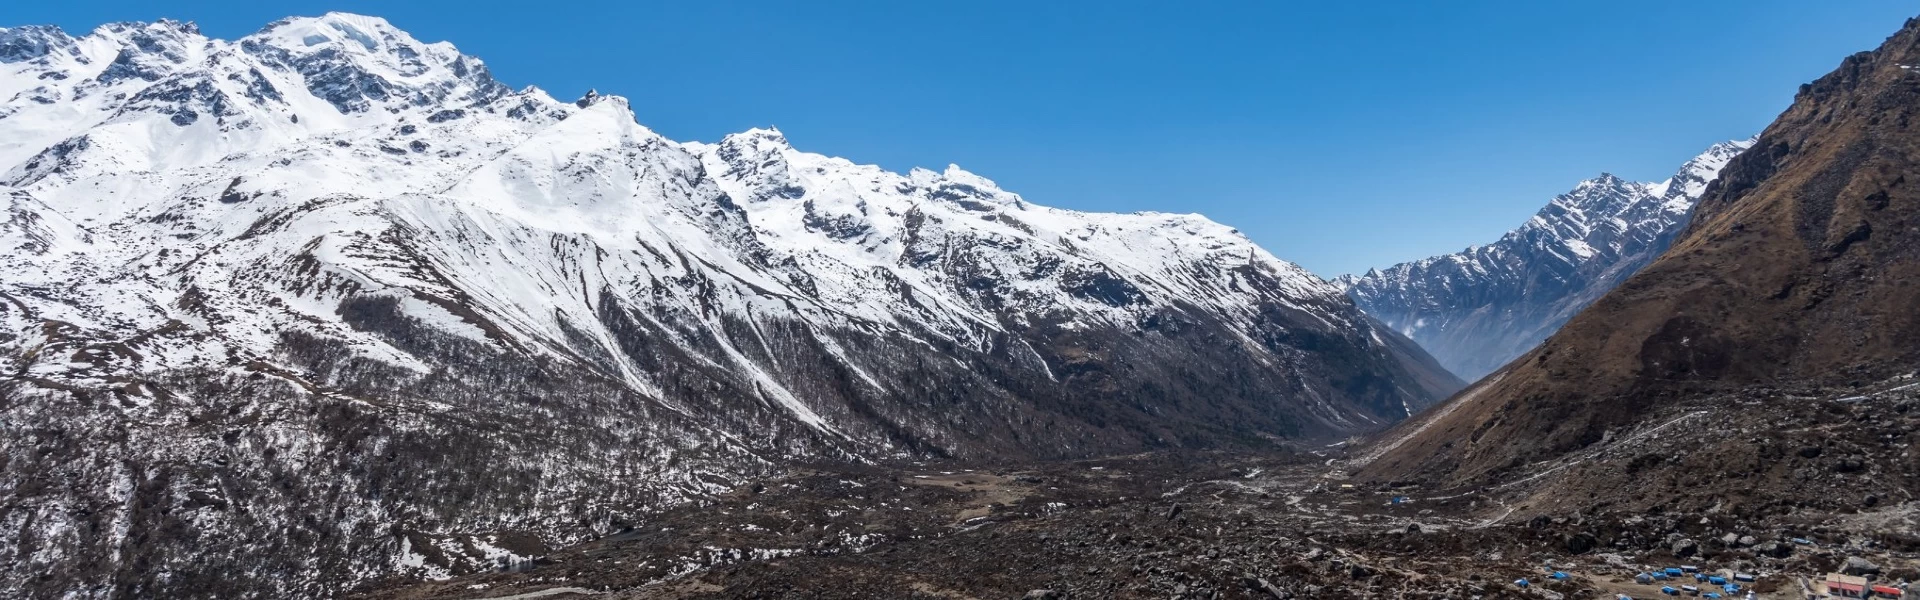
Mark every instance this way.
x=1844 y=586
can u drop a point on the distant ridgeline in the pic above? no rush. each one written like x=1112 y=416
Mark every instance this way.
x=1478 y=309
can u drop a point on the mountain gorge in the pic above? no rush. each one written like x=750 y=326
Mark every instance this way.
x=327 y=304
x=1480 y=308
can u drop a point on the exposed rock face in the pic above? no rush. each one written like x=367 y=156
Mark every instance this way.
x=1478 y=309
x=1801 y=268
x=327 y=303
x=1859 y=566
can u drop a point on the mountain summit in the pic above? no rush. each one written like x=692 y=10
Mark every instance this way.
x=328 y=303
x=1477 y=309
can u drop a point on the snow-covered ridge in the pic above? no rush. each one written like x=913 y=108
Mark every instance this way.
x=171 y=151
x=1483 y=306
x=331 y=248
x=310 y=108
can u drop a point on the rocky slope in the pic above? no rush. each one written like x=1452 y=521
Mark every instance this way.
x=1266 y=527
x=327 y=303
x=1477 y=309
x=1800 y=270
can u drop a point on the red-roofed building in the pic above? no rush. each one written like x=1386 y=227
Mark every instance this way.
x=1845 y=586
x=1886 y=591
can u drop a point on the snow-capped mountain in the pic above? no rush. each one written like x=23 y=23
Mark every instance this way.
x=1477 y=309
x=326 y=304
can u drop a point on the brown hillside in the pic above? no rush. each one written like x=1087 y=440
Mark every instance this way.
x=1801 y=268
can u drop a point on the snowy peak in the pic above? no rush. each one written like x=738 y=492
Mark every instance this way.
x=1603 y=216
x=758 y=160
x=330 y=217
x=1686 y=185
x=335 y=30
x=1479 y=308
x=21 y=44
x=959 y=185
x=761 y=140
x=355 y=62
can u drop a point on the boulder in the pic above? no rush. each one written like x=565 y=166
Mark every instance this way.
x=1773 y=549
x=1685 y=548
x=1581 y=543
x=1859 y=566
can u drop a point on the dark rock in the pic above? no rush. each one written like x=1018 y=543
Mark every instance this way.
x=1773 y=549
x=1685 y=548
x=1581 y=543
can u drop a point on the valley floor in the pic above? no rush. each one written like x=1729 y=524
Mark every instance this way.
x=1240 y=526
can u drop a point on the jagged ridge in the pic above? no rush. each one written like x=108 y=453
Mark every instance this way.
x=1479 y=308
x=328 y=269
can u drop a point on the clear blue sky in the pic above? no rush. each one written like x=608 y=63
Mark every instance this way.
x=1341 y=135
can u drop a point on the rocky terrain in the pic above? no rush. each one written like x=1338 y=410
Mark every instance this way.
x=1780 y=486
x=282 y=313
x=1478 y=309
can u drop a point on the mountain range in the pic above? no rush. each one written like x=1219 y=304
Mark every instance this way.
x=1478 y=309
x=327 y=304
x=1776 y=334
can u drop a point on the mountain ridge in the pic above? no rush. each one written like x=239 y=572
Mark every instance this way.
x=1477 y=309
x=1793 y=283
x=328 y=269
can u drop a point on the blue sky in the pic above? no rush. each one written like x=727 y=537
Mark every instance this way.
x=1341 y=135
